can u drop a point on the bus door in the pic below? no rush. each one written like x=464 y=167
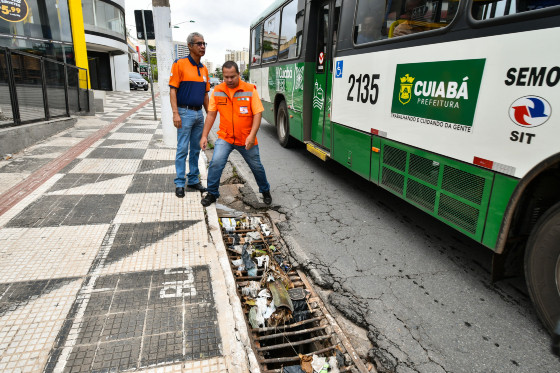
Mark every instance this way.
x=320 y=118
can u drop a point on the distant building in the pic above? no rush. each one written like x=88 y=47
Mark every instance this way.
x=210 y=66
x=180 y=49
x=240 y=57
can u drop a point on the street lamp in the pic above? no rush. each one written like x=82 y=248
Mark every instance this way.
x=175 y=25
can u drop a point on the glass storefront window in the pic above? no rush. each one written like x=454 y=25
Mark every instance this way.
x=47 y=20
x=103 y=17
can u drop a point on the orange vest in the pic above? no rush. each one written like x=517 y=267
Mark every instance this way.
x=236 y=115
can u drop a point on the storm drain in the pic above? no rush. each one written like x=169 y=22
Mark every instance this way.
x=289 y=326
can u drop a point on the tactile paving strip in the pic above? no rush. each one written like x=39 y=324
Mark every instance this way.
x=137 y=320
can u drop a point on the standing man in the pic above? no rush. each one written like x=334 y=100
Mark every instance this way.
x=240 y=118
x=189 y=85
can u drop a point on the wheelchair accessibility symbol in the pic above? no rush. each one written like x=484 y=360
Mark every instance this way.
x=339 y=65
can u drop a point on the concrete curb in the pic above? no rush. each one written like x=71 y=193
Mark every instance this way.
x=15 y=139
x=239 y=356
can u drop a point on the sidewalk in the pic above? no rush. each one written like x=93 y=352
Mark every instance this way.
x=102 y=268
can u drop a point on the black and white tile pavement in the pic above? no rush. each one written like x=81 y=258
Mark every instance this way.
x=102 y=268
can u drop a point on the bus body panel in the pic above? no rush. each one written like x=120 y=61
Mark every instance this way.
x=509 y=127
x=352 y=149
x=286 y=83
x=503 y=189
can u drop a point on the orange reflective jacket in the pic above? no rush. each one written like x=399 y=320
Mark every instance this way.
x=236 y=114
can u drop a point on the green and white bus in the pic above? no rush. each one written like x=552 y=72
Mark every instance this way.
x=453 y=105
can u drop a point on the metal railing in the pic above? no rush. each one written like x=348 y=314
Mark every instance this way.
x=35 y=88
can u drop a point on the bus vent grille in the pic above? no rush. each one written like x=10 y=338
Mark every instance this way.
x=458 y=212
x=394 y=157
x=424 y=169
x=393 y=180
x=463 y=184
x=421 y=194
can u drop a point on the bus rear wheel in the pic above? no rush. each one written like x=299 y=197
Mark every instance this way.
x=283 y=126
x=542 y=266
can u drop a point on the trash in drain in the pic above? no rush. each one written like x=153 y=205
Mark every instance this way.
x=289 y=326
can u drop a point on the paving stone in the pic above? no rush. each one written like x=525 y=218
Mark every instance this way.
x=121 y=153
x=53 y=211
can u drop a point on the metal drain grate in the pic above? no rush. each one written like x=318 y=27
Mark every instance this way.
x=300 y=325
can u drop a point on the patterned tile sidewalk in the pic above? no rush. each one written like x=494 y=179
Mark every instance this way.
x=102 y=268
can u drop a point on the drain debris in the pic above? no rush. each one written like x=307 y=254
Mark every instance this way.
x=289 y=326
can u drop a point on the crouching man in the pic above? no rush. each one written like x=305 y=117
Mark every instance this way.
x=240 y=111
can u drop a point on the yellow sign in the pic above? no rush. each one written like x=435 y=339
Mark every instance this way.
x=13 y=10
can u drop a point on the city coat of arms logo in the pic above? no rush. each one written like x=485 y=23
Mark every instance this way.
x=405 y=93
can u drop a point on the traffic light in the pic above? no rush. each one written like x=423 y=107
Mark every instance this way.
x=149 y=18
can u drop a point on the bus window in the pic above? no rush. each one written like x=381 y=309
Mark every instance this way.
x=256 y=42
x=270 y=38
x=498 y=8
x=374 y=21
x=291 y=31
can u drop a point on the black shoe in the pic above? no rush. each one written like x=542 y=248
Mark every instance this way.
x=267 y=198
x=180 y=192
x=198 y=187
x=208 y=199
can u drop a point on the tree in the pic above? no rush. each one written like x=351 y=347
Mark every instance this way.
x=218 y=73
x=245 y=75
x=153 y=60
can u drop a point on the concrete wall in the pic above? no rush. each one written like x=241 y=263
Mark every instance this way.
x=15 y=139
x=119 y=65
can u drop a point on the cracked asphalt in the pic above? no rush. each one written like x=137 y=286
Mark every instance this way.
x=421 y=292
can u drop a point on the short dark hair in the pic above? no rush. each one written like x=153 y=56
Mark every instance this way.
x=229 y=65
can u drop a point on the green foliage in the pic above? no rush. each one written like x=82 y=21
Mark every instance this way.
x=245 y=75
x=218 y=73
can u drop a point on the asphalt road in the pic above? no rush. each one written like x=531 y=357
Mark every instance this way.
x=422 y=290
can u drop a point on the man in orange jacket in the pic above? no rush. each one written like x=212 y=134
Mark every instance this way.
x=240 y=111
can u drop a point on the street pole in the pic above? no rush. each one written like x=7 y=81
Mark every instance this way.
x=164 y=46
x=149 y=64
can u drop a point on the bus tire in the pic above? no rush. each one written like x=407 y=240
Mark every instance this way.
x=283 y=126
x=542 y=267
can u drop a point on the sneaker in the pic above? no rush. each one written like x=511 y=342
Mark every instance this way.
x=208 y=199
x=180 y=192
x=267 y=198
x=198 y=187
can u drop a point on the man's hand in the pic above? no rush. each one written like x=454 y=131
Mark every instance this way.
x=249 y=142
x=203 y=142
x=177 y=120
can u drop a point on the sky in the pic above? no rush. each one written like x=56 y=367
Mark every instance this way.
x=223 y=23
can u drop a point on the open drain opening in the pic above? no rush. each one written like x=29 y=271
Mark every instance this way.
x=288 y=323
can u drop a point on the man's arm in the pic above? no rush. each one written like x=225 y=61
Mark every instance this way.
x=173 y=99
x=208 y=123
x=250 y=141
x=206 y=101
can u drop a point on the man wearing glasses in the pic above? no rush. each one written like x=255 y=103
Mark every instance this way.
x=189 y=84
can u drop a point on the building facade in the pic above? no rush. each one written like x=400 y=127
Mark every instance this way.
x=240 y=57
x=180 y=49
x=106 y=43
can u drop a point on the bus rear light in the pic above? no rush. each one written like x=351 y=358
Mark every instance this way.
x=374 y=149
x=378 y=132
x=494 y=166
x=483 y=162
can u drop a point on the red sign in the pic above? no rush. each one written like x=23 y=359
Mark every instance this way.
x=321 y=58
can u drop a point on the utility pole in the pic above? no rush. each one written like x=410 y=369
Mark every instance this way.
x=164 y=47
x=150 y=71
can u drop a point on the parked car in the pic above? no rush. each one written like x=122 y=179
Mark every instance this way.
x=137 y=81
x=214 y=82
